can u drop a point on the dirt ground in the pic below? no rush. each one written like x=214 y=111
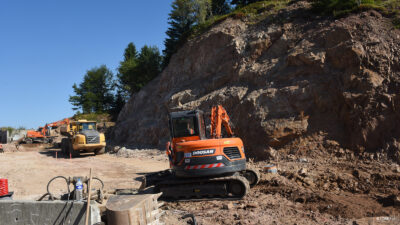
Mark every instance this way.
x=29 y=168
x=329 y=186
x=317 y=197
x=317 y=183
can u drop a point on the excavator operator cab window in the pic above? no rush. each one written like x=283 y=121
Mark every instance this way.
x=185 y=127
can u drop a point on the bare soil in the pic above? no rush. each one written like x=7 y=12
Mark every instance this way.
x=29 y=168
x=325 y=186
x=317 y=197
x=317 y=183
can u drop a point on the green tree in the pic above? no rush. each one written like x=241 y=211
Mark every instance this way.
x=94 y=94
x=130 y=52
x=118 y=104
x=220 y=7
x=127 y=70
x=184 y=15
x=149 y=66
x=138 y=69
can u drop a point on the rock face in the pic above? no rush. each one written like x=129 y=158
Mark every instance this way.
x=281 y=80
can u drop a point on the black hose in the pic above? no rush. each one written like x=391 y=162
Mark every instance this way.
x=51 y=196
x=102 y=184
x=41 y=198
x=48 y=185
x=67 y=182
x=194 y=222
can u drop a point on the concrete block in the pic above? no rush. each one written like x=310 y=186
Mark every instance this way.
x=47 y=213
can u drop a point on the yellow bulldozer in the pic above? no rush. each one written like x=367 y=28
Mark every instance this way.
x=82 y=136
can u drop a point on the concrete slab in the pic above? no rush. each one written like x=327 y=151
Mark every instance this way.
x=46 y=213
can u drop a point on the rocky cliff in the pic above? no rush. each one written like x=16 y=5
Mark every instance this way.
x=288 y=75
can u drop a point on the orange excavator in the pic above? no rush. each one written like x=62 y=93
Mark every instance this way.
x=202 y=167
x=42 y=135
x=37 y=136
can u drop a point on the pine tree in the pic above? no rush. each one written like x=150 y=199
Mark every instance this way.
x=184 y=15
x=94 y=94
x=138 y=69
x=130 y=52
x=118 y=104
x=220 y=7
x=148 y=67
x=126 y=70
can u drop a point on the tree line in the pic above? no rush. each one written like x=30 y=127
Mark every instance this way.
x=103 y=92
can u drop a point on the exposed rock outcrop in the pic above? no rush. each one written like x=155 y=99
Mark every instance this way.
x=283 y=77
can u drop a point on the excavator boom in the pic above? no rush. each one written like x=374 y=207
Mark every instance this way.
x=54 y=124
x=58 y=123
x=219 y=117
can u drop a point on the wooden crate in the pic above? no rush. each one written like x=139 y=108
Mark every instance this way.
x=139 y=209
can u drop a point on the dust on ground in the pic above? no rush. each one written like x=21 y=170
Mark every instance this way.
x=30 y=167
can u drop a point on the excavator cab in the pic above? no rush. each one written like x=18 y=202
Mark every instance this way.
x=184 y=126
x=187 y=125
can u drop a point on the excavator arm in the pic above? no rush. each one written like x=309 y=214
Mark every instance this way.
x=219 y=117
x=58 y=123
x=54 y=124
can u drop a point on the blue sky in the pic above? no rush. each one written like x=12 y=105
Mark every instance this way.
x=48 y=45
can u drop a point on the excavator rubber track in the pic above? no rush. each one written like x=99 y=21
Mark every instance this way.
x=232 y=187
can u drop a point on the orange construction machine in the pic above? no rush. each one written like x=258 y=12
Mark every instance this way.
x=38 y=136
x=202 y=167
x=42 y=134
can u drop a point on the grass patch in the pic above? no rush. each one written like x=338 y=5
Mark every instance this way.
x=257 y=8
x=201 y=28
x=258 y=11
x=340 y=8
x=253 y=12
x=396 y=23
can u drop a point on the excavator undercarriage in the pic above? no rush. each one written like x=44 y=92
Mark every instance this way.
x=229 y=187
